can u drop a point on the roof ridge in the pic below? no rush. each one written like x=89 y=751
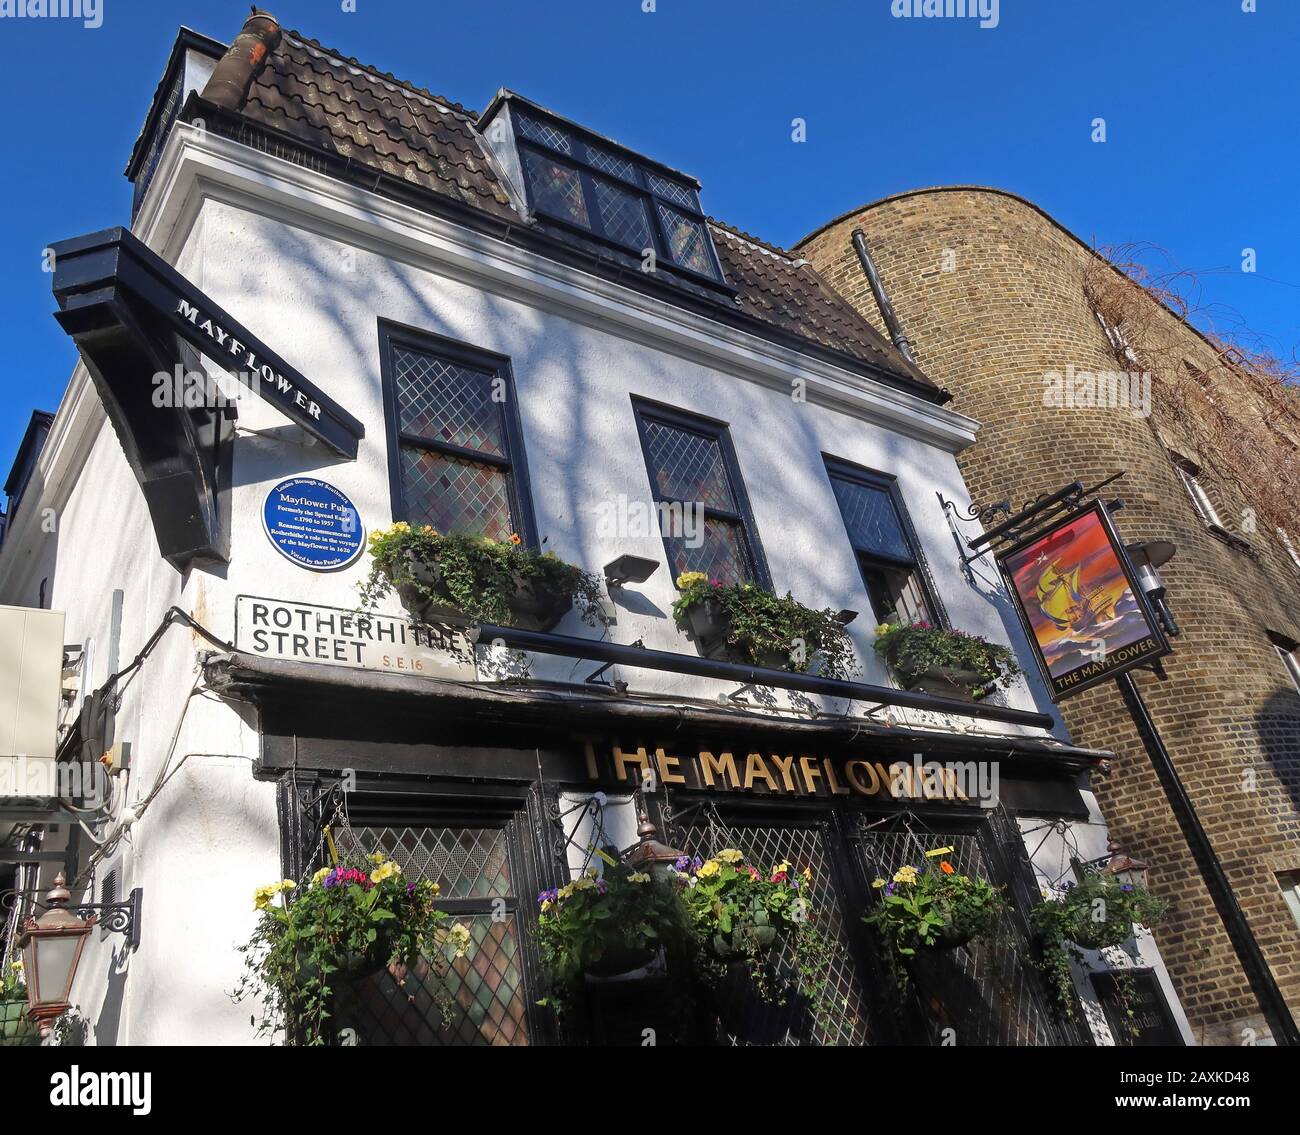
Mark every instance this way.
x=757 y=242
x=309 y=42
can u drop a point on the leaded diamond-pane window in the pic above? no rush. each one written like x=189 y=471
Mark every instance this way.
x=545 y=133
x=608 y=163
x=611 y=194
x=623 y=216
x=688 y=466
x=471 y=866
x=454 y=457
x=556 y=188
x=455 y=495
x=691 y=465
x=679 y=194
x=871 y=518
x=442 y=400
x=688 y=240
x=886 y=548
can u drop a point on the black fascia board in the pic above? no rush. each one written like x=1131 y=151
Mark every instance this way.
x=115 y=258
x=186 y=39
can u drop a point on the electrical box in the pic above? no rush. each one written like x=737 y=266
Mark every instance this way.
x=31 y=685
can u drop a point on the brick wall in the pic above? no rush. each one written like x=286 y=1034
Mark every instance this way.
x=990 y=292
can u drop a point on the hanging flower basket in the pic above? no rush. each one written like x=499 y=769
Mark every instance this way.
x=608 y=931
x=744 y=623
x=457 y=577
x=1095 y=913
x=744 y=920
x=16 y=1031
x=934 y=909
x=347 y=924
x=945 y=663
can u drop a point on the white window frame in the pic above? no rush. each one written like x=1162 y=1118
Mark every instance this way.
x=1290 y=547
x=1199 y=497
x=1290 y=659
x=1289 y=881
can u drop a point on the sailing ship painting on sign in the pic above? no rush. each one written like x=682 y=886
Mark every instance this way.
x=1080 y=604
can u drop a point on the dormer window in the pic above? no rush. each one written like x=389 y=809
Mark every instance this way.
x=609 y=193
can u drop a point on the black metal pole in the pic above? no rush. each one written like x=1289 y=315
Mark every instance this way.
x=1276 y=1011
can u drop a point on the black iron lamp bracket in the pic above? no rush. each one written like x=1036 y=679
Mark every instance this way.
x=115 y=917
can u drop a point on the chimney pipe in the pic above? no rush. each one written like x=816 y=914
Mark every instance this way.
x=882 y=300
x=243 y=62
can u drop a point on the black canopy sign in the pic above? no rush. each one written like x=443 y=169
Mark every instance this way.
x=133 y=316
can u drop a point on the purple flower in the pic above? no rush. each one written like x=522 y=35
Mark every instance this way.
x=410 y=888
x=602 y=887
x=682 y=862
x=889 y=888
x=1127 y=887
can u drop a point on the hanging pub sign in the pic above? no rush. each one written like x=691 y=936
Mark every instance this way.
x=313 y=524
x=1078 y=597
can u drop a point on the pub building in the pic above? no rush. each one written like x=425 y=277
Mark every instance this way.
x=344 y=302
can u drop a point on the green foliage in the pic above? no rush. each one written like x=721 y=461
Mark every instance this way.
x=913 y=649
x=760 y=625
x=934 y=909
x=348 y=922
x=738 y=915
x=608 y=923
x=1094 y=913
x=476 y=576
x=13 y=987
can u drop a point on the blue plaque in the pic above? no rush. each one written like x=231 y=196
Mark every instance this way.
x=313 y=524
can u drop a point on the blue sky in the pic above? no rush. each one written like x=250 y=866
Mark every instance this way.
x=1200 y=100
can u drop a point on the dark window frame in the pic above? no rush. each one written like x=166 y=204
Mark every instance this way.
x=518 y=485
x=839 y=469
x=641 y=187
x=645 y=410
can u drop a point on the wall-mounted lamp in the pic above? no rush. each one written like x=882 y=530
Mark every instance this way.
x=629 y=569
x=1126 y=870
x=1146 y=558
x=52 y=946
x=845 y=617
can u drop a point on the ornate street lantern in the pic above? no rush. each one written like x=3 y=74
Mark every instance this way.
x=51 y=948
x=651 y=854
x=1126 y=870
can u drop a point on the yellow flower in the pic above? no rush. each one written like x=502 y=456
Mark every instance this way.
x=638 y=877
x=377 y=857
x=779 y=867
x=586 y=883
x=321 y=874
x=690 y=578
x=458 y=939
x=878 y=883
x=263 y=896
x=710 y=868
x=547 y=904
x=807 y=874
x=729 y=855
x=905 y=875
x=385 y=871
x=566 y=891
